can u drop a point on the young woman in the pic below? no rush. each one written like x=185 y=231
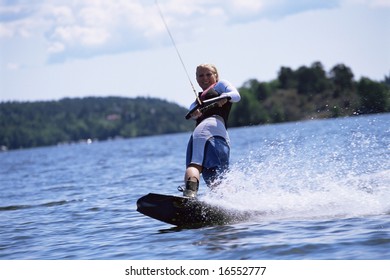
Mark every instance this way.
x=208 y=149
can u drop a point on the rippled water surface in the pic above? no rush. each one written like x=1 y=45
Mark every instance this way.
x=322 y=188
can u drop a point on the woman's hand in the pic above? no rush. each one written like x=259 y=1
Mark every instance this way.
x=196 y=114
x=222 y=102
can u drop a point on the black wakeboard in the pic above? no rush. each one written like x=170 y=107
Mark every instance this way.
x=184 y=211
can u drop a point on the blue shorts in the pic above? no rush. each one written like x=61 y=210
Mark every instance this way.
x=215 y=160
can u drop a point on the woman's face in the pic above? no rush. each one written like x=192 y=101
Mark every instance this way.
x=205 y=77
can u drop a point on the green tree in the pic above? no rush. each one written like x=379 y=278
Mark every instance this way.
x=287 y=78
x=311 y=80
x=342 y=78
x=374 y=96
x=386 y=80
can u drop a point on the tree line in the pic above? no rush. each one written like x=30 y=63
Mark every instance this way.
x=310 y=93
x=304 y=93
x=34 y=124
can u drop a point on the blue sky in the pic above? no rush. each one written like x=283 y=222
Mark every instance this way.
x=68 y=48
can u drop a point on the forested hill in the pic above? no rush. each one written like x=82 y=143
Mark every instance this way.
x=304 y=93
x=310 y=92
x=33 y=124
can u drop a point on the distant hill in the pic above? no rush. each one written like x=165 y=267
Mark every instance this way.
x=33 y=124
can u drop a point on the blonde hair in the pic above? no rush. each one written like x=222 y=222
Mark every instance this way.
x=209 y=66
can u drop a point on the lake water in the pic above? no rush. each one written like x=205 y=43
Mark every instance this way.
x=322 y=186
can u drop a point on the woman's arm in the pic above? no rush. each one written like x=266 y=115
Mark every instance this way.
x=226 y=88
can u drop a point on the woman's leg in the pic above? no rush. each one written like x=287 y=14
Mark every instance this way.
x=191 y=180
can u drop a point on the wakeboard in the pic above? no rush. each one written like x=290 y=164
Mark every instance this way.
x=186 y=212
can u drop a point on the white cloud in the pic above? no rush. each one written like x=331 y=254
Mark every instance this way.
x=87 y=28
x=20 y=28
x=18 y=20
x=56 y=47
x=14 y=12
x=245 y=8
x=90 y=28
x=6 y=31
x=13 y=66
x=62 y=14
x=371 y=3
x=250 y=39
x=380 y=3
x=85 y=36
